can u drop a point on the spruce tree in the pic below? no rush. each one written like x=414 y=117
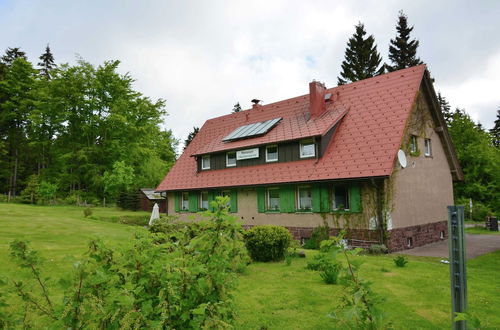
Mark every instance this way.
x=11 y=54
x=46 y=63
x=445 y=108
x=495 y=131
x=237 y=107
x=361 y=58
x=402 y=50
x=191 y=136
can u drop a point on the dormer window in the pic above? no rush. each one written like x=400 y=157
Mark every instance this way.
x=231 y=159
x=307 y=149
x=205 y=162
x=271 y=154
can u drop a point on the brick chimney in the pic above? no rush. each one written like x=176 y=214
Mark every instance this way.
x=317 y=103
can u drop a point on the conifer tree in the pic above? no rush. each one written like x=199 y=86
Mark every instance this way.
x=46 y=63
x=191 y=136
x=237 y=107
x=402 y=50
x=445 y=108
x=362 y=60
x=11 y=54
x=495 y=131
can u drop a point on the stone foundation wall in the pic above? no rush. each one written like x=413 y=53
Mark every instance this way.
x=397 y=238
x=419 y=235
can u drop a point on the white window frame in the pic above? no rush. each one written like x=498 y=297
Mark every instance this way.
x=301 y=148
x=201 y=200
x=413 y=144
x=268 y=198
x=227 y=159
x=202 y=163
x=334 y=206
x=277 y=154
x=299 y=207
x=427 y=148
x=185 y=193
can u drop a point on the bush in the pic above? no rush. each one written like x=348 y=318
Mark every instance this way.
x=87 y=212
x=319 y=262
x=267 y=243
x=400 y=261
x=377 y=249
x=330 y=272
x=148 y=283
x=318 y=235
x=129 y=200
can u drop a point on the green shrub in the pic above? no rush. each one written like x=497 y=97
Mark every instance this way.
x=318 y=235
x=377 y=249
x=319 y=262
x=129 y=200
x=267 y=243
x=330 y=272
x=87 y=212
x=400 y=261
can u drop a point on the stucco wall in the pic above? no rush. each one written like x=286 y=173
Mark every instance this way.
x=248 y=212
x=422 y=190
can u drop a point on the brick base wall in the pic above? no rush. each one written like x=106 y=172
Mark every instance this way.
x=420 y=235
x=397 y=238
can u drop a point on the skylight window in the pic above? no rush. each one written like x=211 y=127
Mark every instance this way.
x=251 y=130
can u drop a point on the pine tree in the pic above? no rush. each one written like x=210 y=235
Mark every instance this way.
x=237 y=107
x=361 y=58
x=445 y=108
x=495 y=131
x=11 y=54
x=402 y=50
x=47 y=62
x=191 y=136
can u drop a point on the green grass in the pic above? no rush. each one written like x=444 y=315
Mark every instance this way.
x=480 y=230
x=271 y=295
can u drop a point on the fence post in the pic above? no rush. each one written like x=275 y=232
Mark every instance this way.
x=458 y=276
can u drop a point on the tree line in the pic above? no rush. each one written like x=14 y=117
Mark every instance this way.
x=77 y=130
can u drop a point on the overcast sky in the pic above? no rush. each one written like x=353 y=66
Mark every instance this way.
x=204 y=56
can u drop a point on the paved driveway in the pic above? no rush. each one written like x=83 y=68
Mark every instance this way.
x=475 y=245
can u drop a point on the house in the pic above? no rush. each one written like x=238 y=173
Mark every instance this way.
x=373 y=157
x=148 y=199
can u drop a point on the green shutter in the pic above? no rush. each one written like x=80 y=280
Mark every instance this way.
x=320 y=198
x=234 y=200
x=287 y=199
x=355 y=197
x=211 y=198
x=261 y=199
x=177 y=205
x=193 y=201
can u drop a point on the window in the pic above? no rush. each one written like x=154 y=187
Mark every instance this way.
x=273 y=199
x=427 y=147
x=185 y=201
x=231 y=159
x=271 y=154
x=307 y=149
x=205 y=162
x=340 y=198
x=226 y=193
x=304 y=198
x=204 y=200
x=413 y=144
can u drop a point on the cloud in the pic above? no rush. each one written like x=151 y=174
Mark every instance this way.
x=204 y=56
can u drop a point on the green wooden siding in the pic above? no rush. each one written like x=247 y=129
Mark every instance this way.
x=211 y=198
x=193 y=201
x=234 y=200
x=261 y=199
x=355 y=197
x=177 y=202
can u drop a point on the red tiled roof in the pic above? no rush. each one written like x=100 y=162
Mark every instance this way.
x=364 y=145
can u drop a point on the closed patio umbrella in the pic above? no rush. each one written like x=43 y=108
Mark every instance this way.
x=155 y=214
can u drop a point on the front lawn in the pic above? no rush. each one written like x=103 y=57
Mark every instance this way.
x=270 y=295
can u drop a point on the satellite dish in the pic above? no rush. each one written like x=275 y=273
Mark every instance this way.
x=402 y=158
